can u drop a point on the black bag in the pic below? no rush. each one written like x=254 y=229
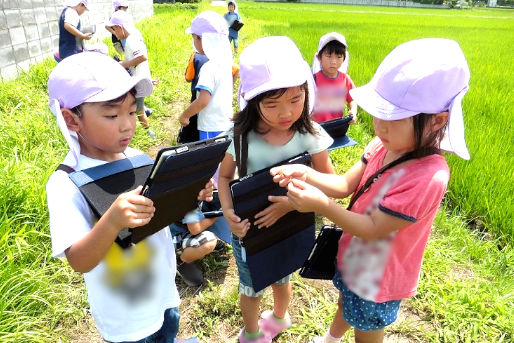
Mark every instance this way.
x=337 y=127
x=321 y=262
x=236 y=25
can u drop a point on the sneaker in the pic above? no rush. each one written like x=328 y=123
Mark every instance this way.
x=150 y=133
x=148 y=111
x=272 y=327
x=190 y=273
x=220 y=245
x=317 y=339
x=261 y=339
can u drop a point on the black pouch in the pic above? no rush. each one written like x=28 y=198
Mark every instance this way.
x=321 y=261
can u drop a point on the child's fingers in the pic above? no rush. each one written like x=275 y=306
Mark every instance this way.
x=278 y=198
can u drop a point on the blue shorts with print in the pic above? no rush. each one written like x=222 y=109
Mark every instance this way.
x=362 y=314
x=245 y=280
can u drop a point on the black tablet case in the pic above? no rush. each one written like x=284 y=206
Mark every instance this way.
x=337 y=129
x=236 y=25
x=174 y=188
x=274 y=252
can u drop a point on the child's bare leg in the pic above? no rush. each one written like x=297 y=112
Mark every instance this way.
x=142 y=118
x=250 y=312
x=375 y=336
x=191 y=254
x=281 y=298
x=339 y=326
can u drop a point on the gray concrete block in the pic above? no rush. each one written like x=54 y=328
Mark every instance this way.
x=5 y=38
x=44 y=30
x=40 y=15
x=38 y=3
x=51 y=13
x=21 y=53
x=31 y=33
x=46 y=44
x=27 y=17
x=34 y=48
x=6 y=56
x=3 y=21
x=54 y=27
x=13 y=18
x=24 y=65
x=9 y=72
x=25 y=4
x=17 y=35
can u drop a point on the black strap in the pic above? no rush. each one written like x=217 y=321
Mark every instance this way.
x=241 y=150
x=373 y=178
x=65 y=168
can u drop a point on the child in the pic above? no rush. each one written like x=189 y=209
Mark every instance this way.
x=415 y=100
x=70 y=36
x=118 y=5
x=136 y=57
x=195 y=237
x=276 y=94
x=231 y=16
x=132 y=293
x=332 y=84
x=214 y=101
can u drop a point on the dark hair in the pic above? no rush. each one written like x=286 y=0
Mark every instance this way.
x=425 y=144
x=334 y=46
x=248 y=119
x=77 y=109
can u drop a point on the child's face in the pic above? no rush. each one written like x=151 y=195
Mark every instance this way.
x=330 y=63
x=80 y=8
x=197 y=41
x=280 y=113
x=396 y=135
x=106 y=129
x=119 y=32
x=231 y=8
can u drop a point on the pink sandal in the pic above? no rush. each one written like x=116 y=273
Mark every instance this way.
x=271 y=326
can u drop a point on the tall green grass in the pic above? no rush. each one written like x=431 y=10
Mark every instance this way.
x=481 y=187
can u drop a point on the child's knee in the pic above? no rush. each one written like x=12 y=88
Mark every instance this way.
x=209 y=246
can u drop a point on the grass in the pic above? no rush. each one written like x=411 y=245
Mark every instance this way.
x=466 y=290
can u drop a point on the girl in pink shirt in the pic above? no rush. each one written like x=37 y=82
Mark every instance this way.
x=415 y=100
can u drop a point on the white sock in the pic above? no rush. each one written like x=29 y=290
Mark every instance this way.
x=331 y=339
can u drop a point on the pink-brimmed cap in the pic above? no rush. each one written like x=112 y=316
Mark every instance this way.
x=272 y=63
x=428 y=75
x=121 y=18
x=73 y=3
x=208 y=22
x=89 y=77
x=120 y=3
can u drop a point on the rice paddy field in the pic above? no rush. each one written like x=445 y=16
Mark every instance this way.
x=466 y=291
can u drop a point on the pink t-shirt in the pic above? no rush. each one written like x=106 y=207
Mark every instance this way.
x=332 y=94
x=388 y=268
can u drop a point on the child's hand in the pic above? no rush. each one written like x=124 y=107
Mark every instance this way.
x=131 y=210
x=272 y=213
x=304 y=197
x=183 y=120
x=237 y=226
x=88 y=36
x=206 y=193
x=284 y=174
x=354 y=117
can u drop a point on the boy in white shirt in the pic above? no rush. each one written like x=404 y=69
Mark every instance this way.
x=132 y=292
x=136 y=56
x=214 y=101
x=70 y=36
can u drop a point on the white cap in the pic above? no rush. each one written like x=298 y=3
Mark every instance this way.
x=324 y=40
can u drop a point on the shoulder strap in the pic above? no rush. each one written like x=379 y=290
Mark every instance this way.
x=373 y=178
x=241 y=150
x=65 y=168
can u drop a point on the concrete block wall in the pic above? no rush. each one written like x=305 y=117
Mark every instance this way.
x=29 y=30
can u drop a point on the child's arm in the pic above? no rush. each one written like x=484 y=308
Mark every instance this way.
x=197 y=227
x=321 y=162
x=128 y=210
x=335 y=186
x=196 y=106
x=226 y=174
x=109 y=28
x=133 y=62
x=76 y=32
x=306 y=198
x=353 y=111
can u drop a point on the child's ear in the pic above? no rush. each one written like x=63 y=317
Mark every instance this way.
x=318 y=57
x=439 y=120
x=71 y=119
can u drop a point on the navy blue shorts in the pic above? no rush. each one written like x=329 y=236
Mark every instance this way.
x=362 y=314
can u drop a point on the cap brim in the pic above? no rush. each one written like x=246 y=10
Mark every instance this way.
x=144 y=87
x=370 y=101
x=188 y=30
